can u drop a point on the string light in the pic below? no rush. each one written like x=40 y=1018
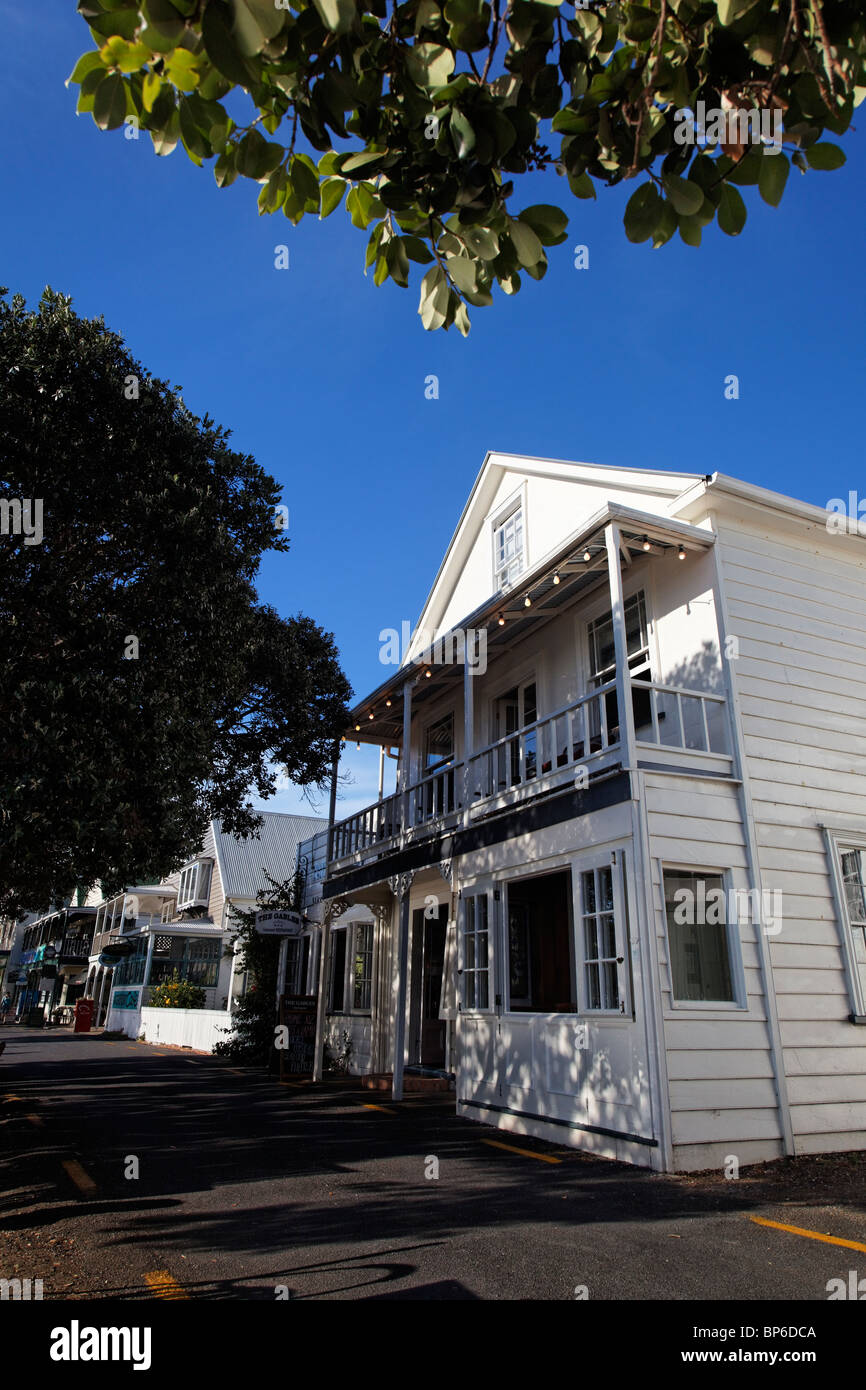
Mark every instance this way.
x=527 y=602
x=646 y=543
x=388 y=704
x=587 y=555
x=372 y=715
x=681 y=553
x=428 y=673
x=501 y=620
x=556 y=577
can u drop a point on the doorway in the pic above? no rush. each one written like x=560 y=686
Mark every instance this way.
x=427 y=1029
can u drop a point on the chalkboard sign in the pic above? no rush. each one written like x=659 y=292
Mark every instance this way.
x=298 y=1015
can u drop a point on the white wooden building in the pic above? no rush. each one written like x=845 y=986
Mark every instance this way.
x=618 y=888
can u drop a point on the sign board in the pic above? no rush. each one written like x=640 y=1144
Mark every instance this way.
x=279 y=923
x=298 y=1016
x=125 y=999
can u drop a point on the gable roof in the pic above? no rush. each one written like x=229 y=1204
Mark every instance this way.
x=664 y=485
x=243 y=864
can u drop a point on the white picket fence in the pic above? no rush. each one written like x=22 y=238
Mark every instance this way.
x=195 y=1028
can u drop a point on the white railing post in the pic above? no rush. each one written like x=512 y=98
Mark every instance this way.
x=620 y=643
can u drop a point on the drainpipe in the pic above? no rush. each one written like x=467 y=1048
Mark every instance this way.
x=332 y=807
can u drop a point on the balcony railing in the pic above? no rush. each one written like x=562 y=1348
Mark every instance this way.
x=540 y=757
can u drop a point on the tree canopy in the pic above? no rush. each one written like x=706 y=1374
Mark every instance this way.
x=143 y=687
x=424 y=114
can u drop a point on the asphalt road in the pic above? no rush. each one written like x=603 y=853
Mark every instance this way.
x=247 y=1189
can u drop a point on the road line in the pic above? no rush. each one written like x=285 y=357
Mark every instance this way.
x=525 y=1153
x=384 y=1108
x=35 y=1120
x=74 y=1170
x=163 y=1285
x=812 y=1235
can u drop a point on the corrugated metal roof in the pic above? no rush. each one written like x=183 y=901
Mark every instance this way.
x=244 y=863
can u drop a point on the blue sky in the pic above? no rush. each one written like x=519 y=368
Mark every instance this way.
x=321 y=376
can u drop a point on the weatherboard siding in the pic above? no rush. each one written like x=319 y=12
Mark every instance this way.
x=723 y=1097
x=796 y=601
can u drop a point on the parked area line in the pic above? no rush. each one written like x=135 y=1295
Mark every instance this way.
x=524 y=1153
x=73 y=1169
x=164 y=1285
x=812 y=1235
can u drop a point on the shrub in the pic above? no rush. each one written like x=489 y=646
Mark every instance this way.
x=177 y=994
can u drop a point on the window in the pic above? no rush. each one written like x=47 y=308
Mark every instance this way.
x=130 y=969
x=516 y=760
x=600 y=959
x=602 y=666
x=194 y=887
x=699 y=943
x=508 y=549
x=540 y=967
x=476 y=953
x=195 y=958
x=848 y=863
x=337 y=1002
x=362 y=967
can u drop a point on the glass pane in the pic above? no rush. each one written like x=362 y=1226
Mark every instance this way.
x=588 y=890
x=481 y=950
x=605 y=888
x=593 y=989
x=611 y=988
x=481 y=1001
x=469 y=953
x=590 y=939
x=608 y=937
x=482 y=912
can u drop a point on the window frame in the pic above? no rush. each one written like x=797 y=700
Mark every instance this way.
x=499 y=518
x=369 y=979
x=740 y=1002
x=187 y=899
x=614 y=860
x=467 y=896
x=837 y=842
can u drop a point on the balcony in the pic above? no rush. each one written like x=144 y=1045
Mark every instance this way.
x=674 y=727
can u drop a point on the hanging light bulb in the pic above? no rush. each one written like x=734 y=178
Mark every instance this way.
x=357 y=728
x=556 y=576
x=587 y=555
x=428 y=673
x=681 y=553
x=527 y=602
x=501 y=620
x=372 y=715
x=388 y=704
x=359 y=745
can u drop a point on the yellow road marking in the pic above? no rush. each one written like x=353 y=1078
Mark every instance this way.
x=18 y=1098
x=164 y=1285
x=386 y=1109
x=35 y=1120
x=74 y=1170
x=813 y=1235
x=525 y=1153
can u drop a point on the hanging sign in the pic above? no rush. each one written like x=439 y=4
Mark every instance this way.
x=279 y=923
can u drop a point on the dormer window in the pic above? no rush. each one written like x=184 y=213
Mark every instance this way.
x=194 y=887
x=508 y=552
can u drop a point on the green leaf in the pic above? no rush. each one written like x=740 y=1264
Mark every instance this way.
x=109 y=102
x=88 y=62
x=430 y=64
x=433 y=305
x=305 y=179
x=581 y=185
x=332 y=196
x=825 y=156
x=526 y=244
x=462 y=134
x=461 y=319
x=666 y=225
x=463 y=272
x=398 y=262
x=165 y=139
x=481 y=241
x=687 y=197
x=256 y=22
x=732 y=211
x=220 y=44
x=690 y=230
x=336 y=15
x=731 y=10
x=550 y=224
x=773 y=177
x=642 y=213
x=417 y=250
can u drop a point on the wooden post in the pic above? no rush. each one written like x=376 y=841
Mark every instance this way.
x=400 y=885
x=406 y=754
x=332 y=806
x=620 y=644
x=468 y=731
